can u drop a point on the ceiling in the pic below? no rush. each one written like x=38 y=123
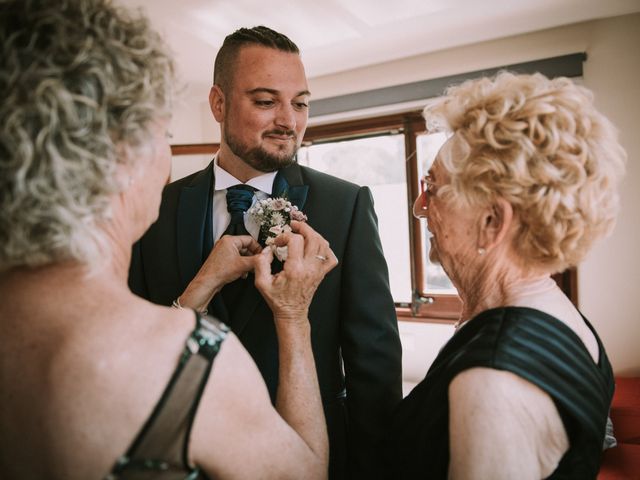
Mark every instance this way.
x=338 y=35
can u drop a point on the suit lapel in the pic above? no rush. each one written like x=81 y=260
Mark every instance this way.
x=191 y=223
x=289 y=184
x=194 y=231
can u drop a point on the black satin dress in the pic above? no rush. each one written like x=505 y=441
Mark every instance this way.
x=531 y=344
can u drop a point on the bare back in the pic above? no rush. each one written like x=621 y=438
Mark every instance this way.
x=84 y=376
x=82 y=382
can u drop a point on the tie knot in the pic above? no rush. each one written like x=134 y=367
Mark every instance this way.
x=239 y=198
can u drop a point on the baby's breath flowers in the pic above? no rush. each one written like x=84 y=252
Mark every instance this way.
x=274 y=216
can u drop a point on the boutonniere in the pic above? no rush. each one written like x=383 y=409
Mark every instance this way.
x=274 y=216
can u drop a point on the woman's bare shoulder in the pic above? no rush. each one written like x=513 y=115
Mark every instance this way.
x=92 y=378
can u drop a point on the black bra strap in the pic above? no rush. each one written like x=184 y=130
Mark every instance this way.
x=163 y=441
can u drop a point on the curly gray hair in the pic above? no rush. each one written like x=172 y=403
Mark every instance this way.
x=83 y=79
x=541 y=145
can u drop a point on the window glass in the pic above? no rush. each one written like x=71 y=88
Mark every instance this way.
x=436 y=281
x=379 y=163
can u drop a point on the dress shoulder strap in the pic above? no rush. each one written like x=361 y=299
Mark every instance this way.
x=163 y=442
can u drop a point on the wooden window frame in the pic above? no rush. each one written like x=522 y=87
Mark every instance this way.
x=424 y=307
x=194 y=149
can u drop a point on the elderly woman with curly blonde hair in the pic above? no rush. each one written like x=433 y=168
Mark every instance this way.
x=94 y=381
x=521 y=190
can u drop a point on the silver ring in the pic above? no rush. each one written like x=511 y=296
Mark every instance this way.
x=321 y=258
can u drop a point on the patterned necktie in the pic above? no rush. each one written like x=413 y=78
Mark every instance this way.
x=239 y=198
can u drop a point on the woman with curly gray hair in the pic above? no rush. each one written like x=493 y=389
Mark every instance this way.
x=521 y=190
x=94 y=379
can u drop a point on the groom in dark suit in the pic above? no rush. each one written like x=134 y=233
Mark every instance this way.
x=193 y=257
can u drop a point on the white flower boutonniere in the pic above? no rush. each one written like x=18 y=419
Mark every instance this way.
x=274 y=216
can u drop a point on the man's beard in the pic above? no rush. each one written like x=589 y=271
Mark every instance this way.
x=258 y=157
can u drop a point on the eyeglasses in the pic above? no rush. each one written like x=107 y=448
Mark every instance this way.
x=427 y=187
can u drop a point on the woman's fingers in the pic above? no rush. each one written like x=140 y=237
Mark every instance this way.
x=295 y=245
x=316 y=248
x=263 y=269
x=313 y=240
x=329 y=260
x=297 y=226
x=289 y=292
x=245 y=244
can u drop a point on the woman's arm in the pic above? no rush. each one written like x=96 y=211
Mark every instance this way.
x=231 y=258
x=237 y=433
x=501 y=427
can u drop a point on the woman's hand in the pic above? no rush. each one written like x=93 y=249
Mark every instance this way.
x=289 y=292
x=232 y=257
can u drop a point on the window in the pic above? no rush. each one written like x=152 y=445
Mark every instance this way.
x=379 y=163
x=390 y=154
x=434 y=278
x=382 y=153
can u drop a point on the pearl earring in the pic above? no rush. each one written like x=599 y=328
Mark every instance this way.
x=481 y=251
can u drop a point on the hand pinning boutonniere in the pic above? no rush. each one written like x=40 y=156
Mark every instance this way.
x=274 y=216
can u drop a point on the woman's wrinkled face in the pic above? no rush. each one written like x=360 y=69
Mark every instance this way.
x=452 y=228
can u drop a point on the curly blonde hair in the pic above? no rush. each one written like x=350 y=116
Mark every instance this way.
x=83 y=79
x=541 y=145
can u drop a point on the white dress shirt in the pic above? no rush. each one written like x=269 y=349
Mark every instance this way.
x=222 y=181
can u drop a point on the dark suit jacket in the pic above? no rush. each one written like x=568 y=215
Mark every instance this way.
x=353 y=320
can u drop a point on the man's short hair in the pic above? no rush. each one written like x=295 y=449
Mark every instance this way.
x=228 y=53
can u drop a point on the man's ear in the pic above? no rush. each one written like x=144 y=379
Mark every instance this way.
x=217 y=103
x=495 y=224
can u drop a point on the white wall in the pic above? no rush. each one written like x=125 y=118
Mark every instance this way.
x=609 y=278
x=192 y=121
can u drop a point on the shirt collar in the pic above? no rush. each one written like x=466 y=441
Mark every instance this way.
x=224 y=179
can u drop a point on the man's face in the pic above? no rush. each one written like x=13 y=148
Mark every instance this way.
x=266 y=108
